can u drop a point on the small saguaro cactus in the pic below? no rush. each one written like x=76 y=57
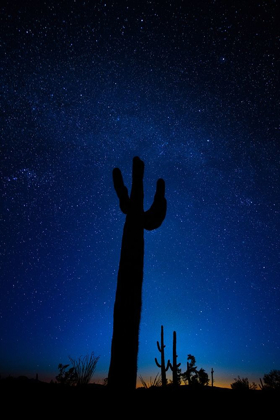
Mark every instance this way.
x=174 y=367
x=128 y=301
x=162 y=365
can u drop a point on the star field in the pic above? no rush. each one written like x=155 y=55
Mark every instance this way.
x=192 y=88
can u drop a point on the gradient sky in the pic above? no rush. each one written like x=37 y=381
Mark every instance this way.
x=192 y=88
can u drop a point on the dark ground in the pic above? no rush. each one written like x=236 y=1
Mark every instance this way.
x=37 y=398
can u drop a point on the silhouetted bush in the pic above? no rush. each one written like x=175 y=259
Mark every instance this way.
x=193 y=376
x=153 y=382
x=241 y=384
x=202 y=377
x=66 y=376
x=80 y=373
x=271 y=380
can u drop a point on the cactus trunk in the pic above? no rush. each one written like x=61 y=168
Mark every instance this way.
x=174 y=367
x=128 y=302
x=162 y=365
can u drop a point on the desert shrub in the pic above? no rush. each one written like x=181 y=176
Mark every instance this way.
x=271 y=380
x=80 y=373
x=153 y=382
x=241 y=384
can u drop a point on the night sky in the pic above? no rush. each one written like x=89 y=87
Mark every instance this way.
x=192 y=88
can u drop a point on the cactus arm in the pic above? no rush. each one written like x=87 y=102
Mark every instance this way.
x=159 y=349
x=121 y=190
x=154 y=217
x=157 y=363
x=167 y=366
x=172 y=366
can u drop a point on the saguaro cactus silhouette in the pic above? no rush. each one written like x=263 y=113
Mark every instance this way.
x=128 y=301
x=162 y=365
x=174 y=366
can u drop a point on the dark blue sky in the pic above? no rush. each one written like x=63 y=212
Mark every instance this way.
x=192 y=87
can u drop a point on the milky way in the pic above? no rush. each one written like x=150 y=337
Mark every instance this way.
x=193 y=90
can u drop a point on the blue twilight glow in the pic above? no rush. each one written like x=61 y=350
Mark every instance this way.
x=192 y=90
